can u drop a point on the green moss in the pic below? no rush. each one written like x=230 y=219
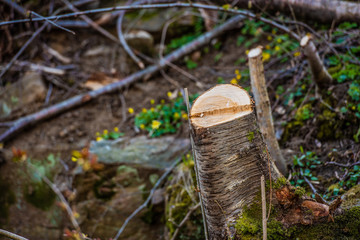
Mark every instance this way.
x=300 y=191
x=345 y=226
x=304 y=113
x=280 y=182
x=251 y=136
x=40 y=195
x=329 y=125
x=7 y=198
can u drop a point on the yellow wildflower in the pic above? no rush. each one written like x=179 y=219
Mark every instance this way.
x=269 y=38
x=162 y=101
x=267 y=47
x=131 y=110
x=86 y=166
x=277 y=48
x=144 y=110
x=152 y=101
x=353 y=107
x=184 y=116
x=99 y=139
x=226 y=6
x=266 y=56
x=238 y=76
x=279 y=40
x=152 y=109
x=116 y=129
x=76 y=215
x=105 y=131
x=273 y=31
x=142 y=126
x=97 y=134
x=234 y=81
x=76 y=154
x=247 y=52
x=237 y=72
x=296 y=54
x=169 y=94
x=155 y=124
x=74 y=159
x=188 y=155
x=176 y=115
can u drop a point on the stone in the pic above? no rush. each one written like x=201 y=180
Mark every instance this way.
x=29 y=89
x=157 y=153
x=140 y=40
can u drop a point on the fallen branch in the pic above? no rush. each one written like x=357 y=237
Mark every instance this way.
x=263 y=107
x=31 y=119
x=321 y=76
x=151 y=6
x=157 y=184
x=11 y=235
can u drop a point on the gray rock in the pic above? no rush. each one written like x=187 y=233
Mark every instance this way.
x=29 y=89
x=148 y=152
x=140 y=40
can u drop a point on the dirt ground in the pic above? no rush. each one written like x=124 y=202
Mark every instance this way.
x=75 y=128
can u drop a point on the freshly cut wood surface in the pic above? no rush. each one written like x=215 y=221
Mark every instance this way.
x=220 y=104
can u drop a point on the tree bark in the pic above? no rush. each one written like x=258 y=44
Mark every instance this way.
x=321 y=76
x=263 y=107
x=319 y=10
x=230 y=155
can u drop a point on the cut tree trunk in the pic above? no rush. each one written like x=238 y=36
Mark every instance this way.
x=321 y=76
x=263 y=108
x=319 y=10
x=230 y=155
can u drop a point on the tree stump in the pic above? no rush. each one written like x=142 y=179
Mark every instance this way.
x=230 y=155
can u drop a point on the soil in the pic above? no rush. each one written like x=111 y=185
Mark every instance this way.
x=75 y=128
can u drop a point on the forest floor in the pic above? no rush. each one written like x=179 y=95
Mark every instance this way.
x=312 y=130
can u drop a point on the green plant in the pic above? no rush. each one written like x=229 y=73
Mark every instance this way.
x=163 y=118
x=304 y=166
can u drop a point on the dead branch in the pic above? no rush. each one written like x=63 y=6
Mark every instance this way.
x=157 y=184
x=52 y=22
x=46 y=113
x=91 y=22
x=11 y=235
x=151 y=6
x=321 y=76
x=263 y=107
x=324 y=11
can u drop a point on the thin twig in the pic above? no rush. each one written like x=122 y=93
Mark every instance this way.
x=263 y=201
x=157 y=184
x=343 y=165
x=184 y=220
x=11 y=235
x=91 y=22
x=123 y=41
x=186 y=98
x=151 y=6
x=22 y=49
x=52 y=23
x=24 y=122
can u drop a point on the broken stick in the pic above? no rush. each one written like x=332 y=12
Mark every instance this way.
x=263 y=107
x=321 y=76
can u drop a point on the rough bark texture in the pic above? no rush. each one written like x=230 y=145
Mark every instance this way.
x=319 y=10
x=263 y=107
x=231 y=157
x=321 y=76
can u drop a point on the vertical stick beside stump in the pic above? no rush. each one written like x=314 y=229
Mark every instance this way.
x=263 y=107
x=230 y=155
